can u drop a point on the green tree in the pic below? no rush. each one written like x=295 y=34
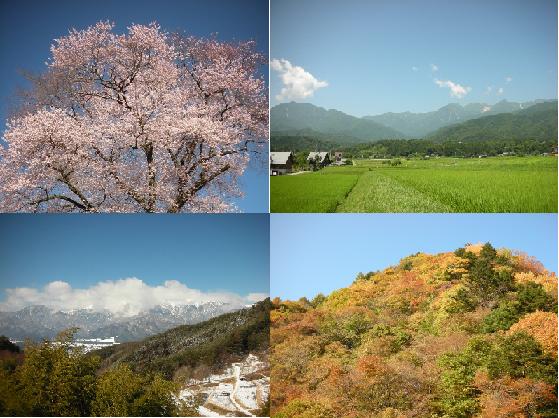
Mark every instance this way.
x=487 y=283
x=156 y=399
x=56 y=379
x=318 y=300
x=314 y=163
x=347 y=329
x=533 y=297
x=529 y=297
x=502 y=318
x=457 y=393
x=300 y=161
x=116 y=391
x=121 y=392
x=519 y=355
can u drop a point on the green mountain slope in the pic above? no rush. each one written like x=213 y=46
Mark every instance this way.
x=538 y=122
x=309 y=140
x=299 y=116
x=212 y=343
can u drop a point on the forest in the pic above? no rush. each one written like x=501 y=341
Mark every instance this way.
x=56 y=379
x=466 y=333
x=472 y=148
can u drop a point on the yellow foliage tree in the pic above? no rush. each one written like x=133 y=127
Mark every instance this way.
x=542 y=326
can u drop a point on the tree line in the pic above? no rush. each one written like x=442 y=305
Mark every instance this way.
x=423 y=147
x=417 y=147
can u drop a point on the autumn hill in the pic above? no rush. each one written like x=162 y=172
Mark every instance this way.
x=467 y=333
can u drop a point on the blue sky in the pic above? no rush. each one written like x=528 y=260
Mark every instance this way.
x=207 y=252
x=321 y=253
x=27 y=28
x=366 y=51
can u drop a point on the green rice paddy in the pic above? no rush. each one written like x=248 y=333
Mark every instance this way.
x=499 y=184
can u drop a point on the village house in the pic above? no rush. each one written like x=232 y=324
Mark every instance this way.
x=281 y=163
x=336 y=156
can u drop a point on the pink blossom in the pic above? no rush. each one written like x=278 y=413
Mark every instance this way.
x=139 y=122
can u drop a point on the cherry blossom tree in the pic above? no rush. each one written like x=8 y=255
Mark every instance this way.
x=137 y=122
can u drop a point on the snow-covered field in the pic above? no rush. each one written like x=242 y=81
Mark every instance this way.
x=240 y=390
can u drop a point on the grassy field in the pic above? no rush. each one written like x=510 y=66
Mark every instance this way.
x=500 y=184
x=314 y=192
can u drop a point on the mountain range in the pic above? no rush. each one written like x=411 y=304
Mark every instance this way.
x=419 y=125
x=38 y=321
x=305 y=120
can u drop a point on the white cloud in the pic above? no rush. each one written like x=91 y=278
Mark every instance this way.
x=414 y=68
x=434 y=67
x=256 y=297
x=488 y=89
x=508 y=79
x=456 y=90
x=500 y=91
x=124 y=296
x=297 y=83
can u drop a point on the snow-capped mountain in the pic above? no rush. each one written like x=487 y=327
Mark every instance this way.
x=38 y=321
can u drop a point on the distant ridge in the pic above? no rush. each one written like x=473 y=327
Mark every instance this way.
x=38 y=322
x=289 y=117
x=419 y=125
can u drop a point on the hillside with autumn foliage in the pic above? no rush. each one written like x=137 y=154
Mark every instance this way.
x=466 y=333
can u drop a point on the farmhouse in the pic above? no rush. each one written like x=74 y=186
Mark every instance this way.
x=281 y=163
x=322 y=158
x=336 y=156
